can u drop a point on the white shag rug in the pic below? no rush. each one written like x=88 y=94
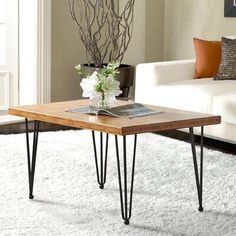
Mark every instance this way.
x=68 y=200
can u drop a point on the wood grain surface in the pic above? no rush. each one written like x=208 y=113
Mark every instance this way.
x=168 y=119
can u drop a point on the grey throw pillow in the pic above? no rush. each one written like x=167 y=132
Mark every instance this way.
x=227 y=68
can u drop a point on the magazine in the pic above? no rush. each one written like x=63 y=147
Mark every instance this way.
x=129 y=111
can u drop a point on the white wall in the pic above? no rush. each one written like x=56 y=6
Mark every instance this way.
x=185 y=19
x=154 y=27
x=148 y=32
x=136 y=50
x=67 y=51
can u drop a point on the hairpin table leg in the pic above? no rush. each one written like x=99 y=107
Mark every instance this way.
x=101 y=178
x=31 y=163
x=199 y=180
x=126 y=209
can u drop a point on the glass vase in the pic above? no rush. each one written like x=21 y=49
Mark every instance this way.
x=103 y=100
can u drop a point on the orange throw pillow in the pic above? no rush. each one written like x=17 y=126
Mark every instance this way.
x=208 y=55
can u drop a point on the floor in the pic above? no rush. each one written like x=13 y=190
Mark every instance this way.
x=20 y=127
x=3 y=113
x=208 y=142
x=68 y=200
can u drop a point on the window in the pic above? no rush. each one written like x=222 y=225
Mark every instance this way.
x=8 y=53
x=24 y=52
x=2 y=32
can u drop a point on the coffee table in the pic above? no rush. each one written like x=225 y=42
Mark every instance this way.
x=168 y=119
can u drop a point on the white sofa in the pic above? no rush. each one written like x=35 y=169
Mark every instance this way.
x=172 y=84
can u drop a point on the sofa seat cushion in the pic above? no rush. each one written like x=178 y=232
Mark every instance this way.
x=193 y=95
x=225 y=104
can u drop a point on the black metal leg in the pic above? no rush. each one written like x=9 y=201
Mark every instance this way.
x=199 y=180
x=31 y=164
x=126 y=209
x=101 y=178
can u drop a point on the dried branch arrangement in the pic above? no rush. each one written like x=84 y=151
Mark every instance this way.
x=104 y=28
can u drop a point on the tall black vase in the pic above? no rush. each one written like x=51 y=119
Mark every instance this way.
x=125 y=76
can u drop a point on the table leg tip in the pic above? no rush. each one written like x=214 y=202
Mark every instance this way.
x=126 y=222
x=200 y=209
x=31 y=196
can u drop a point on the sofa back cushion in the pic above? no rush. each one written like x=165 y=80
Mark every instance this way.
x=227 y=68
x=208 y=56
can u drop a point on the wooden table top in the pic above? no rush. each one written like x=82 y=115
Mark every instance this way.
x=168 y=119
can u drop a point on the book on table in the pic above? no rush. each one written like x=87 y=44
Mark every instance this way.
x=129 y=111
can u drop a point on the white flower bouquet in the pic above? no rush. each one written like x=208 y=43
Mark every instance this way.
x=101 y=87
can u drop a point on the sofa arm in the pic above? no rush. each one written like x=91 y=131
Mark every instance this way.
x=150 y=75
x=159 y=73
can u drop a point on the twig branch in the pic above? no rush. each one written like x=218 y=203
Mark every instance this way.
x=104 y=29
